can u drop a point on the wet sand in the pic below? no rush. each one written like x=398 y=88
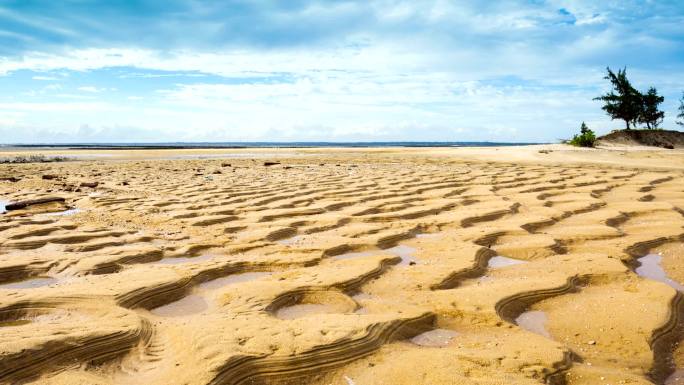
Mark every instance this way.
x=337 y=266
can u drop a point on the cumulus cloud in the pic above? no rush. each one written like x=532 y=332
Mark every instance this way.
x=91 y=89
x=45 y=78
x=320 y=70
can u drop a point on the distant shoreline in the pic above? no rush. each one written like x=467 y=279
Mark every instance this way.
x=235 y=145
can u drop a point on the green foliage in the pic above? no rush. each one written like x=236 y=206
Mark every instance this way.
x=584 y=129
x=623 y=102
x=650 y=115
x=681 y=111
x=586 y=138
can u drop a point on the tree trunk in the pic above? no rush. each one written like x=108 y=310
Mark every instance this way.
x=627 y=123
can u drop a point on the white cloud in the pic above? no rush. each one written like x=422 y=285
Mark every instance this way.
x=73 y=96
x=591 y=19
x=48 y=89
x=91 y=89
x=53 y=107
x=406 y=70
x=373 y=59
x=45 y=78
x=371 y=93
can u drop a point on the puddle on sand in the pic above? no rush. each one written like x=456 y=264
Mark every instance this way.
x=359 y=254
x=495 y=263
x=191 y=304
x=303 y=310
x=437 y=338
x=30 y=283
x=361 y=296
x=64 y=213
x=500 y=261
x=231 y=279
x=290 y=241
x=676 y=378
x=2 y=206
x=650 y=268
x=405 y=253
x=196 y=303
x=534 y=321
x=175 y=261
x=428 y=235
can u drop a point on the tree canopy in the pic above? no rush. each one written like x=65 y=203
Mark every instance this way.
x=650 y=115
x=680 y=116
x=623 y=102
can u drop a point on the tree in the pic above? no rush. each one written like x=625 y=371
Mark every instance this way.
x=681 y=111
x=584 y=129
x=650 y=115
x=586 y=138
x=623 y=102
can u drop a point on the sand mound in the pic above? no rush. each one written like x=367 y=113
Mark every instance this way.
x=654 y=138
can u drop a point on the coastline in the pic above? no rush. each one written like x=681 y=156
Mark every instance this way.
x=626 y=156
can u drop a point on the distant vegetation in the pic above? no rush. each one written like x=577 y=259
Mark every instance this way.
x=624 y=102
x=586 y=138
x=38 y=158
x=680 y=116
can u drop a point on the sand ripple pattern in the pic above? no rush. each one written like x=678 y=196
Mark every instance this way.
x=320 y=270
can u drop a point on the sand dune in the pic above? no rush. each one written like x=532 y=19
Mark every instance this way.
x=345 y=266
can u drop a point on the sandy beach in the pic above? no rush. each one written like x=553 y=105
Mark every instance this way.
x=489 y=265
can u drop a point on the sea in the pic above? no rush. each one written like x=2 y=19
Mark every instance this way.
x=184 y=145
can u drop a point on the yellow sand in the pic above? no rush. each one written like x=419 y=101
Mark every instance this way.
x=208 y=267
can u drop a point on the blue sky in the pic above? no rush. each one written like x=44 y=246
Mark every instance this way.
x=296 y=70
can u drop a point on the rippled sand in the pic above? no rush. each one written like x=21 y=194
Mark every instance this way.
x=341 y=266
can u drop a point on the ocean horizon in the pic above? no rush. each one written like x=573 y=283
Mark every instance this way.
x=236 y=145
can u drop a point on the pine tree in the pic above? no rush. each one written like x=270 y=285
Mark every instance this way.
x=681 y=111
x=623 y=102
x=583 y=128
x=650 y=115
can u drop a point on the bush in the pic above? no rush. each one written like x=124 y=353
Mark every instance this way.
x=586 y=138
